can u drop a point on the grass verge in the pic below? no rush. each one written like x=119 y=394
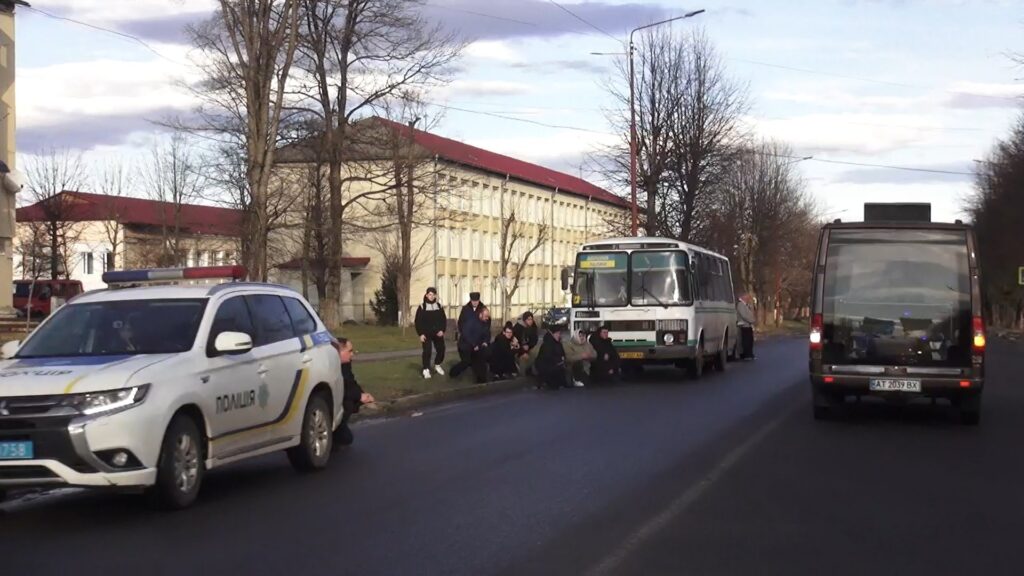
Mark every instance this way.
x=394 y=379
x=369 y=338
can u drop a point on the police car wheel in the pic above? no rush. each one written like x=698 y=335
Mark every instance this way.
x=316 y=438
x=180 y=469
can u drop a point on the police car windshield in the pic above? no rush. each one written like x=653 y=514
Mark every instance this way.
x=118 y=328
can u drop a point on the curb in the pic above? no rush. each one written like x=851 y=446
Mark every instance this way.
x=408 y=404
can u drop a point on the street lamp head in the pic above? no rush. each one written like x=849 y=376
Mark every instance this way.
x=694 y=13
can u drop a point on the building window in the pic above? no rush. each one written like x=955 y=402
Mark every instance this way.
x=108 y=261
x=87 y=264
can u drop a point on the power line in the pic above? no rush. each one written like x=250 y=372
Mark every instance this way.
x=865 y=164
x=99 y=28
x=584 y=20
x=514 y=119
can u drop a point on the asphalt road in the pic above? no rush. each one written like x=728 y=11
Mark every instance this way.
x=729 y=475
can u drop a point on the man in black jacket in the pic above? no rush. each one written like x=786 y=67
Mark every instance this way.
x=474 y=347
x=607 y=366
x=354 y=396
x=528 y=335
x=430 y=325
x=551 y=362
x=471 y=310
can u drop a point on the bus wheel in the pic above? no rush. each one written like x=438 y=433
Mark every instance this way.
x=722 y=358
x=697 y=364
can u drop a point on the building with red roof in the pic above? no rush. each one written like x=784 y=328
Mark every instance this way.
x=97 y=232
x=463 y=195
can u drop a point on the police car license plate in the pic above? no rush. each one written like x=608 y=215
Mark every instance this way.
x=631 y=355
x=20 y=450
x=894 y=385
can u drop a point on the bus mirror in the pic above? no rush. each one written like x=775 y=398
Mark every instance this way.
x=565 y=279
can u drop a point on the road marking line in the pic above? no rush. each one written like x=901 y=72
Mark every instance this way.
x=611 y=563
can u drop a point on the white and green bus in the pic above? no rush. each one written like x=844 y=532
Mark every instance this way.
x=664 y=301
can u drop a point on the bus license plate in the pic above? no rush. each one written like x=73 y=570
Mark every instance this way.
x=21 y=450
x=893 y=385
x=631 y=355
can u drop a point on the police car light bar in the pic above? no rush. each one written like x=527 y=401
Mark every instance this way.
x=171 y=274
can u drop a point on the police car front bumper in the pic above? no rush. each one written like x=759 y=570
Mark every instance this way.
x=76 y=451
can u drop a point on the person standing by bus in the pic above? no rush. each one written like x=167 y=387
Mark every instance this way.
x=430 y=325
x=746 y=322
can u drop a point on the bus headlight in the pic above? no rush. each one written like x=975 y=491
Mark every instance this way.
x=669 y=339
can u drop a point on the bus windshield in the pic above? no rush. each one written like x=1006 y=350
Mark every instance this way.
x=660 y=278
x=600 y=279
x=897 y=297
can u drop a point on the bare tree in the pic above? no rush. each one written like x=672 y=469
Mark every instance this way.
x=49 y=174
x=518 y=241
x=173 y=177
x=761 y=217
x=688 y=115
x=246 y=54
x=705 y=133
x=116 y=180
x=995 y=208
x=358 y=55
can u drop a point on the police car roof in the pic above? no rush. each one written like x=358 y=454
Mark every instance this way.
x=175 y=291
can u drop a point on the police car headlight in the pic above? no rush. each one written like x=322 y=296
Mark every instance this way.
x=93 y=403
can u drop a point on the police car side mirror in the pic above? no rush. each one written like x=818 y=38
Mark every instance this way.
x=232 y=343
x=9 y=349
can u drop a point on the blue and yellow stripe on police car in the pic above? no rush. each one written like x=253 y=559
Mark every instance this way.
x=308 y=341
x=291 y=408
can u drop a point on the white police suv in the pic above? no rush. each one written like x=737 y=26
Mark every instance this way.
x=148 y=385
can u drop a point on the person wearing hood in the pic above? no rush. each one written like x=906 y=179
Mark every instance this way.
x=430 y=325
x=471 y=311
x=528 y=335
x=579 y=353
x=550 y=365
x=503 y=354
x=607 y=365
x=474 y=347
x=354 y=396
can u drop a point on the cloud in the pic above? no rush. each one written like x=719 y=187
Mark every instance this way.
x=905 y=177
x=476 y=88
x=109 y=11
x=83 y=104
x=498 y=19
x=88 y=132
x=556 y=66
x=975 y=95
x=861 y=133
x=169 y=28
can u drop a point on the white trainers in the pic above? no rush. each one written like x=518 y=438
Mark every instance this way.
x=439 y=370
x=578 y=384
x=426 y=374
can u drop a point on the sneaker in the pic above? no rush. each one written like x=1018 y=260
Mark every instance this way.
x=439 y=370
x=578 y=384
x=426 y=374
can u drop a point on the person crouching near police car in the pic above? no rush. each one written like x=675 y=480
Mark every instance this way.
x=354 y=397
x=431 y=322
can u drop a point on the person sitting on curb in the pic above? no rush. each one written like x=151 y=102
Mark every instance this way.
x=430 y=325
x=579 y=353
x=354 y=397
x=528 y=335
x=503 y=356
x=474 y=347
x=607 y=365
x=550 y=365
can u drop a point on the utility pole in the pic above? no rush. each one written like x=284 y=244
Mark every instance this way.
x=12 y=181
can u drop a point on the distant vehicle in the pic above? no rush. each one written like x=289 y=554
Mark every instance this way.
x=665 y=301
x=897 y=312
x=556 y=318
x=149 y=386
x=42 y=291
